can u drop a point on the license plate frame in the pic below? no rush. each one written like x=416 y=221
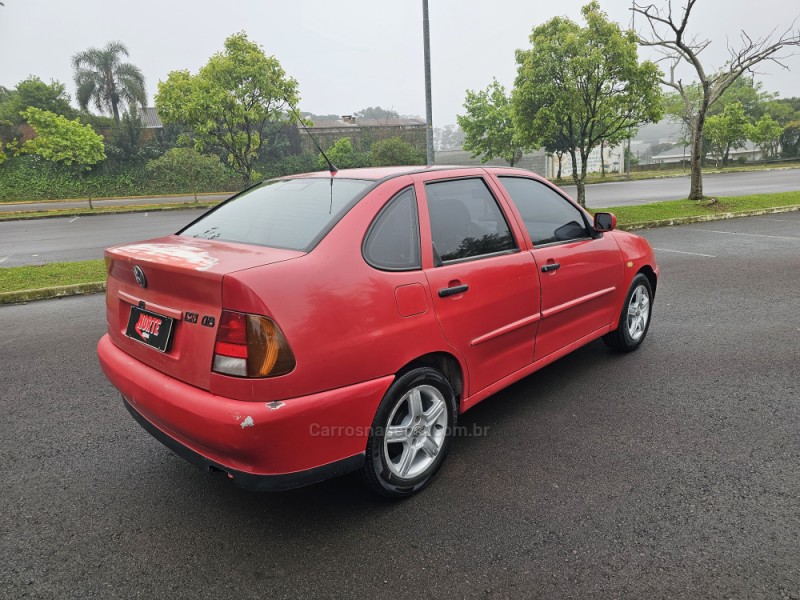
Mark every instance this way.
x=150 y=328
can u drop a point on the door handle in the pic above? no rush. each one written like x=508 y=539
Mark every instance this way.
x=550 y=267
x=452 y=291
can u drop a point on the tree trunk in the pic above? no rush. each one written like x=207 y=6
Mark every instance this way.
x=115 y=110
x=579 y=179
x=696 y=188
x=560 y=163
x=602 y=161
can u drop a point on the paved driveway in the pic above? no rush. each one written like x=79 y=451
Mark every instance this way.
x=672 y=472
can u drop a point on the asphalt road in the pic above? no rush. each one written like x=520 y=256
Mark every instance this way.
x=672 y=472
x=625 y=193
x=84 y=238
x=41 y=241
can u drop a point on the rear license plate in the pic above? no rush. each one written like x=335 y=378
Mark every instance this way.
x=150 y=328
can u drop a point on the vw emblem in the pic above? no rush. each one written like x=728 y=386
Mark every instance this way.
x=139 y=275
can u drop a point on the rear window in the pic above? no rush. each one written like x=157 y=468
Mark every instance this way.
x=294 y=214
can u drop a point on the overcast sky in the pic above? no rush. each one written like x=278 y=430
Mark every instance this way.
x=345 y=55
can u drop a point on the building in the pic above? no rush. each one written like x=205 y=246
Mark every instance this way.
x=363 y=132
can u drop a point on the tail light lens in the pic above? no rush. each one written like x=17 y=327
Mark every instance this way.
x=251 y=346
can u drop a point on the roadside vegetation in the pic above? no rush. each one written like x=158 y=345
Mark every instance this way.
x=14 y=279
x=680 y=209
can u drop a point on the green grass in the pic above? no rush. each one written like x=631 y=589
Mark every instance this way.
x=14 y=279
x=674 y=209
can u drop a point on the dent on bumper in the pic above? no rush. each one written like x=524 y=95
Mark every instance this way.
x=261 y=445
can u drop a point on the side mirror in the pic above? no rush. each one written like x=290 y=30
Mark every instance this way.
x=604 y=221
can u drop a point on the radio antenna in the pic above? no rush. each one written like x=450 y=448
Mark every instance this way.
x=331 y=167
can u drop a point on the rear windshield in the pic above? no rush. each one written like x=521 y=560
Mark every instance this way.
x=294 y=214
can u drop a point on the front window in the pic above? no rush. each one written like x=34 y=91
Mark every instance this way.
x=293 y=213
x=466 y=220
x=549 y=217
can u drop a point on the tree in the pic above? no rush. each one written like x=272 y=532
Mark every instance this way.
x=728 y=130
x=343 y=156
x=233 y=104
x=61 y=140
x=669 y=36
x=488 y=125
x=34 y=92
x=578 y=86
x=394 y=151
x=790 y=139
x=103 y=79
x=377 y=113
x=448 y=137
x=186 y=168
x=766 y=134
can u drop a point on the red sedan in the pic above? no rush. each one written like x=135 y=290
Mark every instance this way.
x=325 y=323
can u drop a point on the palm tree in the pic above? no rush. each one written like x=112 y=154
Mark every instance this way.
x=101 y=77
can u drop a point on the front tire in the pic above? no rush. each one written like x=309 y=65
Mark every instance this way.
x=411 y=434
x=634 y=320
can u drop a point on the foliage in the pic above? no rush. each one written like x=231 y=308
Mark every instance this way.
x=790 y=139
x=766 y=134
x=394 y=151
x=33 y=178
x=343 y=156
x=291 y=164
x=34 y=92
x=577 y=86
x=233 y=103
x=377 y=113
x=728 y=130
x=185 y=168
x=103 y=79
x=60 y=140
x=488 y=125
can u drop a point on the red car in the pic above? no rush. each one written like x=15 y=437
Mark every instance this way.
x=325 y=323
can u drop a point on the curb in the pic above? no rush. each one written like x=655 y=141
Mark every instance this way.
x=25 y=296
x=84 y=199
x=100 y=286
x=85 y=212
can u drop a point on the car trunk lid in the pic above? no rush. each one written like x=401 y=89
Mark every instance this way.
x=164 y=299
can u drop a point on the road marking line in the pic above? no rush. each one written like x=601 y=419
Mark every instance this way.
x=75 y=219
x=681 y=252
x=4 y=259
x=774 y=237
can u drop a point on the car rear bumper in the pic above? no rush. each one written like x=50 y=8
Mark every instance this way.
x=260 y=445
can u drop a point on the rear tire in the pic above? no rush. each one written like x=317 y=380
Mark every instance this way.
x=411 y=434
x=634 y=320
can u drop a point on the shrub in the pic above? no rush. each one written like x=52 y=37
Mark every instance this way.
x=394 y=151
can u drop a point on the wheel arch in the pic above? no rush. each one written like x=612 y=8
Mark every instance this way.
x=447 y=364
x=648 y=272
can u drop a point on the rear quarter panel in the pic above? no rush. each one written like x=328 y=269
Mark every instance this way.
x=338 y=314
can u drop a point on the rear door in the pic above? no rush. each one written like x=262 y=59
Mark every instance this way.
x=485 y=289
x=580 y=272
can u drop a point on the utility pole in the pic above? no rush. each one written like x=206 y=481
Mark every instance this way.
x=426 y=33
x=627 y=161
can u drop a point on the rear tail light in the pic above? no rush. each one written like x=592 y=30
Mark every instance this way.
x=251 y=346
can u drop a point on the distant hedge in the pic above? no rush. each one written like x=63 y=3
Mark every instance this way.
x=30 y=178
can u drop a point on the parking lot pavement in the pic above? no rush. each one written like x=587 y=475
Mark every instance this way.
x=672 y=472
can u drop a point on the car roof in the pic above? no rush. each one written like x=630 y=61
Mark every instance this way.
x=380 y=173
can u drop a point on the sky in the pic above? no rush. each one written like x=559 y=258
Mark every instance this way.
x=348 y=55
